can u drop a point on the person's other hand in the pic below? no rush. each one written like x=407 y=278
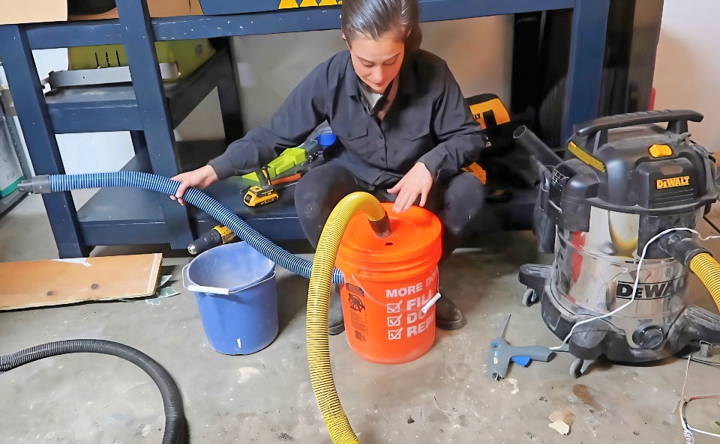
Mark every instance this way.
x=415 y=183
x=200 y=178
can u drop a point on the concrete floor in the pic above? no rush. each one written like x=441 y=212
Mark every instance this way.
x=444 y=397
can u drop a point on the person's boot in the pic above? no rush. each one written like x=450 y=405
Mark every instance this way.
x=447 y=315
x=335 y=314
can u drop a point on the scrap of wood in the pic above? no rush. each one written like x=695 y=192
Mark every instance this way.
x=68 y=281
x=560 y=427
x=561 y=420
x=563 y=415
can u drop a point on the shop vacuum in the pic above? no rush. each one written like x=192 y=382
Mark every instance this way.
x=620 y=214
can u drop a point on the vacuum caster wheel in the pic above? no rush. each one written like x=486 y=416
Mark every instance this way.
x=530 y=297
x=580 y=366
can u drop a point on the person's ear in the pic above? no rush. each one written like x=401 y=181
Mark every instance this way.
x=347 y=42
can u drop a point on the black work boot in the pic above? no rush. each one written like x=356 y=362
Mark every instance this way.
x=447 y=315
x=335 y=315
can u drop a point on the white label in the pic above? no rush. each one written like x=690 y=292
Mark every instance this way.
x=404 y=291
x=407 y=314
x=419 y=328
x=394 y=308
x=415 y=316
x=239 y=343
x=395 y=335
x=418 y=302
x=394 y=321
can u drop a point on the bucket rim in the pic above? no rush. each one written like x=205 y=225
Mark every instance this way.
x=354 y=248
x=190 y=285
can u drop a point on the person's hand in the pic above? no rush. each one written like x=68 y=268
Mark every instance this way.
x=416 y=182
x=200 y=178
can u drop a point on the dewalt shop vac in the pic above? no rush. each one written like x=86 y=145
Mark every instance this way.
x=620 y=214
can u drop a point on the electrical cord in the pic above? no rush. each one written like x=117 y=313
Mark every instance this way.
x=706 y=362
x=562 y=346
x=688 y=430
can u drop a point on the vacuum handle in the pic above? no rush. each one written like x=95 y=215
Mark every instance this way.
x=677 y=120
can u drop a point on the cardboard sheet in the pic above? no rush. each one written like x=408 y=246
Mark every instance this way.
x=36 y=11
x=32 y=11
x=157 y=8
x=67 y=281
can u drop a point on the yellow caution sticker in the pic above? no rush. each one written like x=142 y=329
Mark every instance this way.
x=672 y=182
x=586 y=157
x=287 y=4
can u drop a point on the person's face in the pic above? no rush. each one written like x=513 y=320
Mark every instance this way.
x=377 y=62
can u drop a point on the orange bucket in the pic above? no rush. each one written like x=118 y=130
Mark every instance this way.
x=388 y=281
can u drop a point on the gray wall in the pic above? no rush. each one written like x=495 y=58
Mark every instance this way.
x=479 y=52
x=687 y=67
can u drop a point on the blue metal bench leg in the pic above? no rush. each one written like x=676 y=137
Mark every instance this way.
x=40 y=137
x=138 y=38
x=138 y=142
x=585 y=68
x=230 y=101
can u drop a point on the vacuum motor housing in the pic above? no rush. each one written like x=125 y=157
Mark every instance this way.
x=626 y=179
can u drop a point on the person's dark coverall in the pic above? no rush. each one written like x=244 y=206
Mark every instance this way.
x=426 y=122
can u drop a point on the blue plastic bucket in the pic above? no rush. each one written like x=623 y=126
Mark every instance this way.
x=235 y=289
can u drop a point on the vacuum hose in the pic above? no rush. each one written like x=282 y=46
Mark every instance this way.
x=685 y=250
x=708 y=270
x=163 y=185
x=321 y=272
x=532 y=143
x=176 y=431
x=318 y=302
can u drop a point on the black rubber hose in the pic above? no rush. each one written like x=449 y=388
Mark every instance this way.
x=532 y=143
x=176 y=430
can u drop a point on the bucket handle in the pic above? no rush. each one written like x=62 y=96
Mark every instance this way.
x=216 y=290
x=200 y=288
x=425 y=308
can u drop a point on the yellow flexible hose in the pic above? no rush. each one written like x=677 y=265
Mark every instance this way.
x=708 y=270
x=316 y=331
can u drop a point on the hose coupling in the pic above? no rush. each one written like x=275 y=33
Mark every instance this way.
x=36 y=185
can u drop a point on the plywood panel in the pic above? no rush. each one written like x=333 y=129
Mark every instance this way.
x=67 y=281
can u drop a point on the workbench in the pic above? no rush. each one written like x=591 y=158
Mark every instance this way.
x=150 y=110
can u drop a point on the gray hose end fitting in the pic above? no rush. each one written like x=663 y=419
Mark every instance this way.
x=681 y=246
x=36 y=185
x=381 y=227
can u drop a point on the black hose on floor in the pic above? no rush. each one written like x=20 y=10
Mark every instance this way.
x=176 y=430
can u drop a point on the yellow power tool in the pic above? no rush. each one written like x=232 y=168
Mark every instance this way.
x=263 y=194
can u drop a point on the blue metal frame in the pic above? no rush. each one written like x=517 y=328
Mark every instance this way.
x=585 y=66
x=115 y=108
x=53 y=35
x=139 y=44
x=35 y=122
x=137 y=32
